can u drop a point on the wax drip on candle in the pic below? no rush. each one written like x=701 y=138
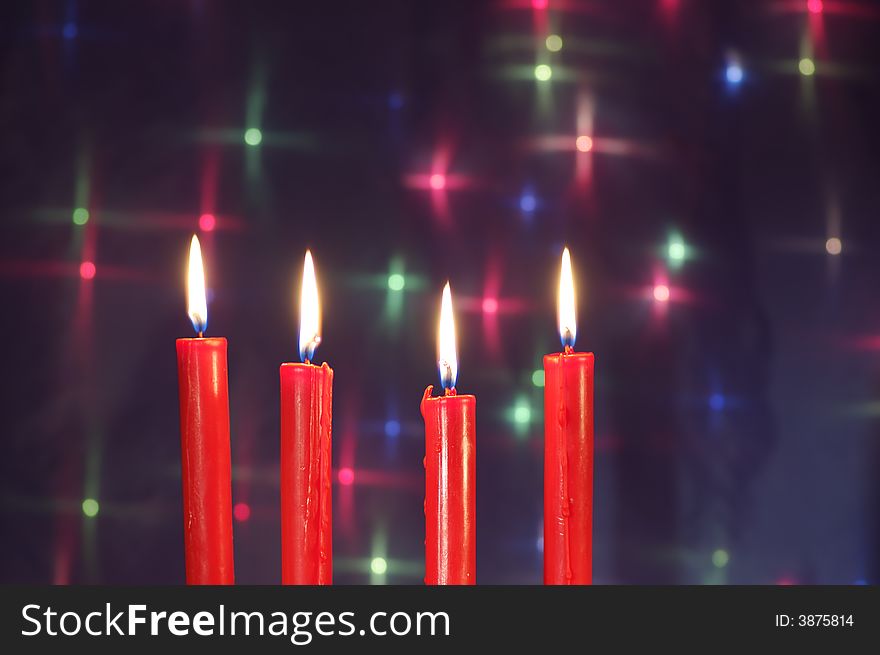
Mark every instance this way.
x=325 y=535
x=565 y=505
x=442 y=503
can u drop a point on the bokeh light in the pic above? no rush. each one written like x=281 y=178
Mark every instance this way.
x=406 y=177
x=396 y=282
x=207 y=222
x=553 y=43
x=806 y=66
x=538 y=377
x=734 y=73
x=253 y=136
x=522 y=413
x=676 y=250
x=661 y=293
x=395 y=101
x=833 y=246
x=378 y=565
x=345 y=476
x=528 y=203
x=584 y=143
x=87 y=270
x=80 y=216
x=241 y=512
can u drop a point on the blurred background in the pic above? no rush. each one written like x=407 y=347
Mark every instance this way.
x=712 y=166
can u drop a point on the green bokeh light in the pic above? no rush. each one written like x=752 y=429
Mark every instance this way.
x=80 y=216
x=253 y=136
x=543 y=72
x=396 y=282
x=720 y=558
x=378 y=565
x=538 y=377
x=806 y=66
x=553 y=43
x=522 y=413
x=90 y=507
x=676 y=251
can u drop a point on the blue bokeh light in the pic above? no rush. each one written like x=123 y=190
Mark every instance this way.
x=528 y=202
x=395 y=101
x=734 y=73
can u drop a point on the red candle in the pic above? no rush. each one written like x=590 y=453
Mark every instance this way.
x=568 y=451
x=306 y=492
x=204 y=440
x=450 y=477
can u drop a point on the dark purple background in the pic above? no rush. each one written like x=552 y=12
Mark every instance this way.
x=742 y=415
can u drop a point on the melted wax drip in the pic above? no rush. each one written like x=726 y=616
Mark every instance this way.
x=562 y=417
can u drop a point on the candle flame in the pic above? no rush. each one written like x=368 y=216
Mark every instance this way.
x=567 y=320
x=447 y=357
x=197 y=305
x=310 y=312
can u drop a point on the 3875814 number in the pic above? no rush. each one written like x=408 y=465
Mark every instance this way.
x=824 y=620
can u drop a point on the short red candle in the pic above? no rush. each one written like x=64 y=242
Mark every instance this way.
x=568 y=468
x=306 y=427
x=568 y=452
x=450 y=475
x=306 y=492
x=450 y=499
x=204 y=439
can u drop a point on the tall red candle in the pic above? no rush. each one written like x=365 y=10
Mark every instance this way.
x=450 y=476
x=306 y=426
x=204 y=440
x=568 y=451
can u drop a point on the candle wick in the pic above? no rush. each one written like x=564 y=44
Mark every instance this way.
x=568 y=349
x=449 y=392
x=201 y=334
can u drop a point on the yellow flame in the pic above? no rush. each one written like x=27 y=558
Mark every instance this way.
x=447 y=357
x=567 y=320
x=197 y=305
x=310 y=311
